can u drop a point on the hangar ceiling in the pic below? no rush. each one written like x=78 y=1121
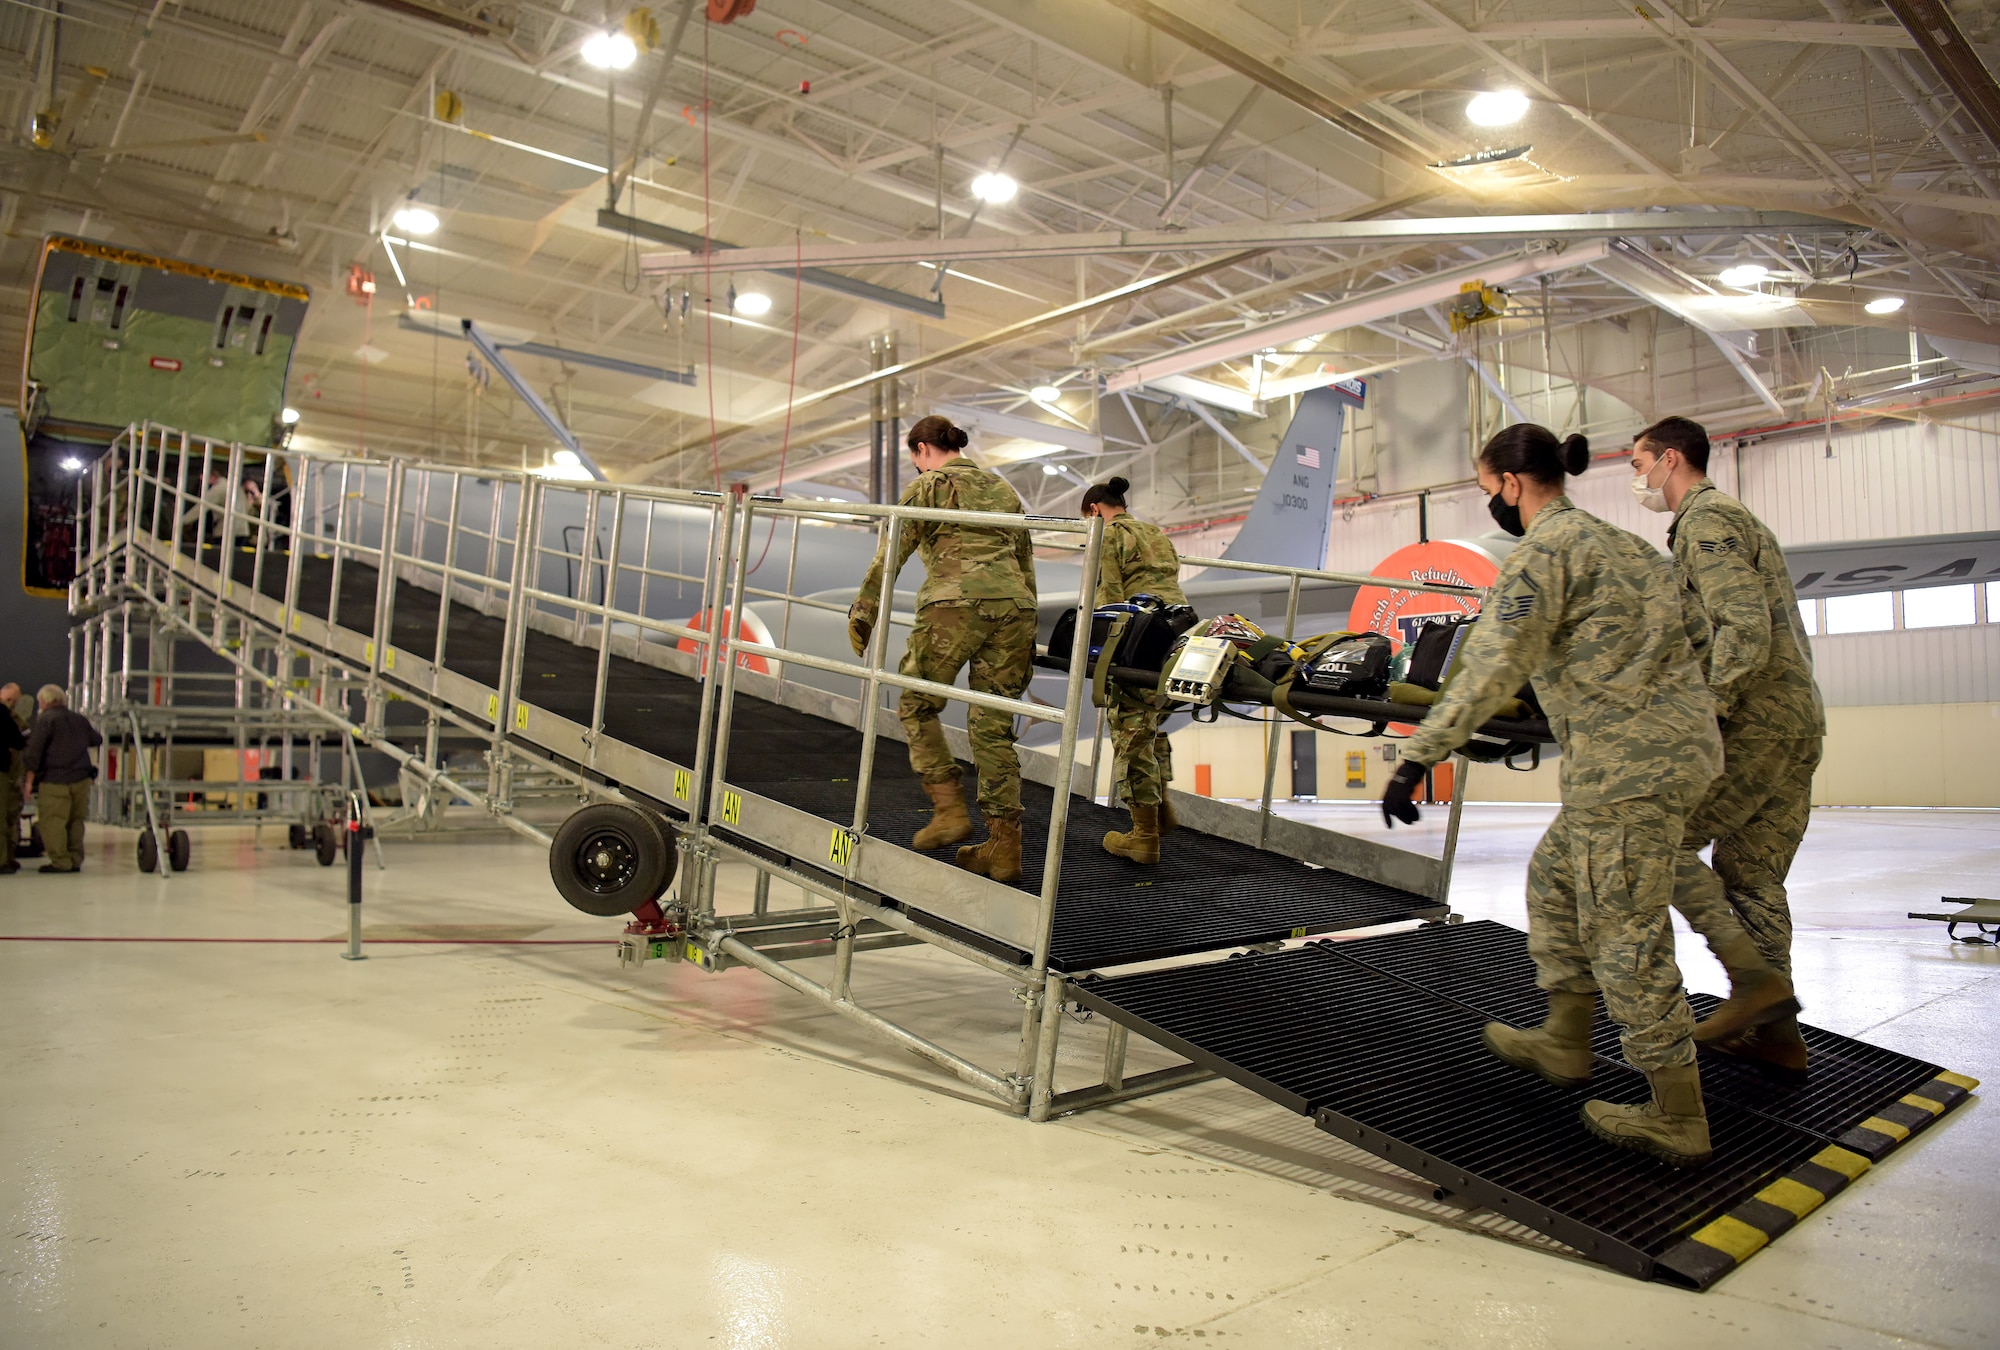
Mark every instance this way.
x=282 y=136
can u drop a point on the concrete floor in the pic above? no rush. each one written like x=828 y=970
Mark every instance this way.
x=224 y=1135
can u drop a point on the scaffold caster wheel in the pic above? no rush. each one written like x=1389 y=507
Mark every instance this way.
x=149 y=852
x=611 y=858
x=326 y=844
x=179 y=850
x=299 y=837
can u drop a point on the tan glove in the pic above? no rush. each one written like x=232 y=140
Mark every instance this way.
x=859 y=630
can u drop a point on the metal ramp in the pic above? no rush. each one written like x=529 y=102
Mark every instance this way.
x=1377 y=1040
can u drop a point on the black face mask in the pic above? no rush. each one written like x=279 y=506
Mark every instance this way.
x=1506 y=517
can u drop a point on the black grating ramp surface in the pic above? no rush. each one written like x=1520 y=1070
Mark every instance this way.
x=1485 y=966
x=1208 y=893
x=1402 y=1073
x=1378 y=1039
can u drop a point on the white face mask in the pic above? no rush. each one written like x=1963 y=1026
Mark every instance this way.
x=1648 y=496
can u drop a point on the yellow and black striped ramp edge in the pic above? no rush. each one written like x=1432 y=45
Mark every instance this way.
x=1725 y=1243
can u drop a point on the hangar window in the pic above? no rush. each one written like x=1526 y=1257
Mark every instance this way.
x=1809 y=616
x=1873 y=612
x=1940 y=607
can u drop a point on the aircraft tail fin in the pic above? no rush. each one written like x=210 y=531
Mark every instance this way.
x=1289 y=524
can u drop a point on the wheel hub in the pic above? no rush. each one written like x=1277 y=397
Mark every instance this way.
x=607 y=863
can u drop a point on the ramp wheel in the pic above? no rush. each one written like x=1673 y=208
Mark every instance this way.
x=179 y=850
x=149 y=851
x=611 y=858
x=299 y=837
x=326 y=844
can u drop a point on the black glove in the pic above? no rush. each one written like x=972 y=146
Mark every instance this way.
x=1396 y=803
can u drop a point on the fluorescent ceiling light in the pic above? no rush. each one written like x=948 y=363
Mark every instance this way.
x=1497 y=108
x=568 y=459
x=995 y=188
x=416 y=220
x=1052 y=470
x=1045 y=393
x=73 y=464
x=1744 y=275
x=610 y=51
x=289 y=416
x=753 y=304
x=1884 y=304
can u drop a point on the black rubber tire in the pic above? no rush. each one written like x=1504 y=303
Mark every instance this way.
x=34 y=848
x=179 y=850
x=326 y=844
x=611 y=858
x=149 y=851
x=299 y=837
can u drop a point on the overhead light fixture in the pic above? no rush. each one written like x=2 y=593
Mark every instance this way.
x=415 y=219
x=566 y=458
x=1497 y=108
x=72 y=464
x=289 y=416
x=1744 y=275
x=1052 y=470
x=1045 y=393
x=610 y=51
x=994 y=188
x=1884 y=304
x=753 y=304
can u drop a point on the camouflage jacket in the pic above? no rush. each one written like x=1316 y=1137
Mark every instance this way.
x=1743 y=618
x=1589 y=612
x=1138 y=559
x=962 y=563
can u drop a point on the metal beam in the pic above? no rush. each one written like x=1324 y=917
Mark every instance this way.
x=1247 y=234
x=1492 y=382
x=529 y=397
x=812 y=276
x=1201 y=162
x=1367 y=307
x=1951 y=56
x=1216 y=426
x=569 y=354
x=1750 y=376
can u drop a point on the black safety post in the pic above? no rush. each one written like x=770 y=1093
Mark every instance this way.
x=359 y=832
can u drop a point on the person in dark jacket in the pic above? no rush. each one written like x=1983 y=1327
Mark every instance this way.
x=13 y=742
x=59 y=774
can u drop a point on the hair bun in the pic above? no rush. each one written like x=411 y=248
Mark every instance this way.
x=1576 y=453
x=959 y=440
x=1119 y=487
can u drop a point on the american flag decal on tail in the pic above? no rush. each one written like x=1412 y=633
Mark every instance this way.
x=1309 y=457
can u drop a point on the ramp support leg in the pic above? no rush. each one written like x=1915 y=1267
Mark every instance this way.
x=1042 y=1087
x=1115 y=1039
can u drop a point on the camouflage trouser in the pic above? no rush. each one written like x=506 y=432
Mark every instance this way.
x=1598 y=890
x=998 y=638
x=1755 y=814
x=10 y=817
x=1146 y=756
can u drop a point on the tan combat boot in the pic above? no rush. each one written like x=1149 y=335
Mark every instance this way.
x=1141 y=843
x=950 y=822
x=1169 y=822
x=1776 y=1048
x=1559 y=1049
x=1757 y=993
x=1000 y=856
x=1672 y=1127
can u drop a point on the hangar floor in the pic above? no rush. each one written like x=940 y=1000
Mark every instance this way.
x=223 y=1135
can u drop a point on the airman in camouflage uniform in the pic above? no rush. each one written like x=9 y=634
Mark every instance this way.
x=1590 y=613
x=1138 y=559
x=976 y=606
x=1744 y=617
